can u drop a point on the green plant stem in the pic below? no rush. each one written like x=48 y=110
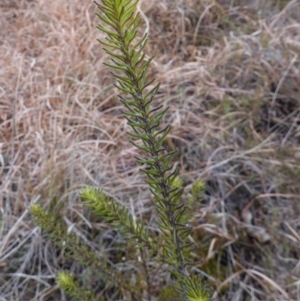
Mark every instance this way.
x=139 y=99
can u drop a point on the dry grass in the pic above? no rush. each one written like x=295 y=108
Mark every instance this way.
x=230 y=74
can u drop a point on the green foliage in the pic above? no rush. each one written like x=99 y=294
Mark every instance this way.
x=194 y=289
x=168 y=293
x=72 y=287
x=191 y=289
x=197 y=190
x=106 y=207
x=74 y=249
x=173 y=245
x=145 y=122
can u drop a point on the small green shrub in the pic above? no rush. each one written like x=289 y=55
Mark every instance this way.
x=171 y=248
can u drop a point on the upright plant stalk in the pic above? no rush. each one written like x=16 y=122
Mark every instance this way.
x=131 y=65
x=144 y=120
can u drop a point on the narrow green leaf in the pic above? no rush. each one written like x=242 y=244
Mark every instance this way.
x=122 y=78
x=107 y=44
x=116 y=67
x=126 y=17
x=143 y=137
x=144 y=148
x=142 y=42
x=105 y=18
x=110 y=33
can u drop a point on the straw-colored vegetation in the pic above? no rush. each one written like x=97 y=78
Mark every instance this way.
x=229 y=70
